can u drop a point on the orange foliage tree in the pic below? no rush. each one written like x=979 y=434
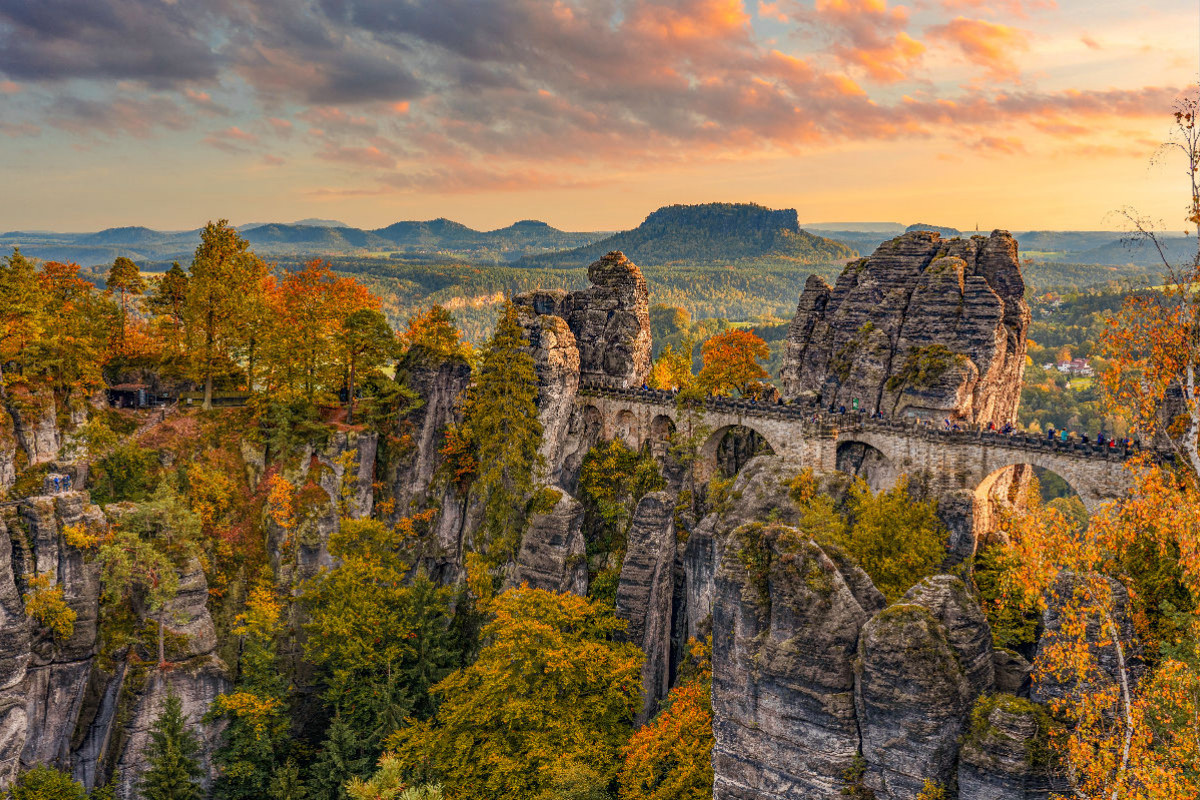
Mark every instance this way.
x=1127 y=735
x=732 y=362
x=670 y=758
x=1153 y=344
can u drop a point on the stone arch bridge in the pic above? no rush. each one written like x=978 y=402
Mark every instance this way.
x=953 y=460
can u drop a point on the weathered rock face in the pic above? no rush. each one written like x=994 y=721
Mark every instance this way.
x=8 y=452
x=57 y=704
x=759 y=492
x=966 y=627
x=553 y=554
x=924 y=326
x=610 y=320
x=556 y=360
x=912 y=697
x=645 y=592
x=1003 y=752
x=786 y=622
x=415 y=460
x=35 y=425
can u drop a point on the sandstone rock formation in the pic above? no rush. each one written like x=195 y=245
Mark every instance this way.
x=645 y=592
x=60 y=703
x=553 y=554
x=786 y=624
x=556 y=360
x=966 y=627
x=1004 y=751
x=924 y=326
x=912 y=698
x=35 y=425
x=610 y=320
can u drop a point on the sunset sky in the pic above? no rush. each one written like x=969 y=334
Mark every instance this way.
x=588 y=114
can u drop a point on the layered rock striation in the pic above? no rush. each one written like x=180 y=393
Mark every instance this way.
x=924 y=327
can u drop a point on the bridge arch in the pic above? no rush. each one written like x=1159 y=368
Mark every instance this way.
x=625 y=428
x=865 y=460
x=730 y=446
x=662 y=428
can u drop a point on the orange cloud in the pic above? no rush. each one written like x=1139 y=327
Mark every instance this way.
x=987 y=44
x=8 y=87
x=870 y=35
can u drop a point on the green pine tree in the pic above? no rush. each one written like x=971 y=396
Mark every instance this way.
x=286 y=783
x=174 y=767
x=503 y=428
x=342 y=758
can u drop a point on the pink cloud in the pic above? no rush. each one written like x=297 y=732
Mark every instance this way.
x=369 y=156
x=231 y=140
x=986 y=44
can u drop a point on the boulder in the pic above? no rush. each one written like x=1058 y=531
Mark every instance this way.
x=923 y=327
x=645 y=592
x=966 y=627
x=786 y=624
x=553 y=554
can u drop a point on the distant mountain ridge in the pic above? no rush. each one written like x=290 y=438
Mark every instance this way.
x=275 y=239
x=710 y=233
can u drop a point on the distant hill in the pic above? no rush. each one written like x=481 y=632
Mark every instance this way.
x=942 y=229
x=712 y=233
x=312 y=221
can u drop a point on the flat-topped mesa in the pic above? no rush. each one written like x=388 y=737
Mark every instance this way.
x=610 y=320
x=924 y=327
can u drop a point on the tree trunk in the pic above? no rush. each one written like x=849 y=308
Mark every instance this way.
x=350 y=413
x=208 y=362
x=1190 y=446
x=162 y=627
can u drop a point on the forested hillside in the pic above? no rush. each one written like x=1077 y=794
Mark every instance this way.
x=712 y=233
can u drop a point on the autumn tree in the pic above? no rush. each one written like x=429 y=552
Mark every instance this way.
x=144 y=553
x=379 y=637
x=672 y=369
x=732 y=362
x=546 y=706
x=435 y=335
x=1152 y=345
x=20 y=318
x=502 y=426
x=670 y=758
x=125 y=277
x=307 y=311
x=366 y=342
x=225 y=280
x=78 y=326
x=255 y=742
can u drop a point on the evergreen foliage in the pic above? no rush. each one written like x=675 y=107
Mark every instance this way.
x=174 y=768
x=501 y=423
x=342 y=759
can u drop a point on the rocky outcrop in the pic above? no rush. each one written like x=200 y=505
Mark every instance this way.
x=8 y=452
x=35 y=424
x=1004 y=751
x=786 y=622
x=556 y=361
x=414 y=456
x=645 y=591
x=966 y=627
x=553 y=554
x=924 y=327
x=610 y=321
x=912 y=697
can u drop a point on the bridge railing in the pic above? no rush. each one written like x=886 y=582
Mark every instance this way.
x=825 y=424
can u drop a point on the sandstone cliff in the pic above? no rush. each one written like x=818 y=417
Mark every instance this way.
x=924 y=326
